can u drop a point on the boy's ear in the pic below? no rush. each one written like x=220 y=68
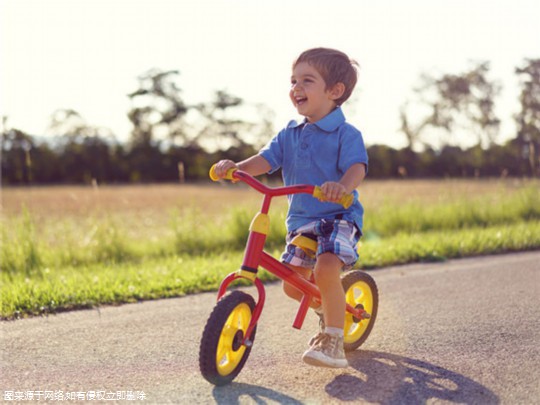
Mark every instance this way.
x=337 y=91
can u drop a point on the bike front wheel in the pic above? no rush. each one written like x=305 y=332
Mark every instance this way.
x=222 y=354
x=360 y=292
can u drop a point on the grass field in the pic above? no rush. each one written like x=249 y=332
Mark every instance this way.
x=78 y=247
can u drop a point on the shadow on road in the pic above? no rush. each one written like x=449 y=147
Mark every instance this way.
x=231 y=394
x=391 y=379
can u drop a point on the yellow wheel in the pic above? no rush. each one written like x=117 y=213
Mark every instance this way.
x=360 y=292
x=222 y=354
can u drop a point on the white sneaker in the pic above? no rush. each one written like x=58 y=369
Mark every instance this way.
x=322 y=328
x=326 y=351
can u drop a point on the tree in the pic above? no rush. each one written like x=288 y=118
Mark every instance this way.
x=221 y=124
x=70 y=123
x=412 y=132
x=455 y=102
x=88 y=152
x=471 y=95
x=16 y=156
x=158 y=110
x=382 y=161
x=528 y=118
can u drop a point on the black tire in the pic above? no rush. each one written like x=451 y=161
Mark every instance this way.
x=220 y=325
x=360 y=290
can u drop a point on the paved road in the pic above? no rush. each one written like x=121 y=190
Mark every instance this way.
x=464 y=331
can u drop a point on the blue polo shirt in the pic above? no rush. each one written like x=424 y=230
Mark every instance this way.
x=314 y=154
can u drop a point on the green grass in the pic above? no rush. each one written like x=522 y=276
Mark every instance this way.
x=466 y=212
x=62 y=268
x=89 y=286
x=442 y=245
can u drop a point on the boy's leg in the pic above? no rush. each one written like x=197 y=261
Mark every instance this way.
x=328 y=279
x=336 y=248
x=300 y=262
x=327 y=347
x=292 y=291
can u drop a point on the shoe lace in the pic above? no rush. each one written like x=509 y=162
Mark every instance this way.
x=321 y=322
x=322 y=339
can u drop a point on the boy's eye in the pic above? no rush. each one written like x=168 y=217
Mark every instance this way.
x=303 y=81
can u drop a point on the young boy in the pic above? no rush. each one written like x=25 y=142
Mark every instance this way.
x=322 y=150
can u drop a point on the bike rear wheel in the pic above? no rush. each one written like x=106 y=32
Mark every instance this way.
x=221 y=353
x=360 y=292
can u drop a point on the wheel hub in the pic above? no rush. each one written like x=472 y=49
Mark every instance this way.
x=237 y=341
x=355 y=319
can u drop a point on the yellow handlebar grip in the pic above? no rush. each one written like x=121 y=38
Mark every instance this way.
x=346 y=200
x=212 y=173
x=317 y=193
x=228 y=175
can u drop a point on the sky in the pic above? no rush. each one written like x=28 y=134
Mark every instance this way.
x=86 y=55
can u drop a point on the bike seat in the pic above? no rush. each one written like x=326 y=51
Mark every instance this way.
x=307 y=244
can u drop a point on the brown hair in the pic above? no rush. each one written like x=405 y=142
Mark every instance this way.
x=334 y=66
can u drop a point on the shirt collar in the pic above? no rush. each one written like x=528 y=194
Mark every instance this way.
x=328 y=123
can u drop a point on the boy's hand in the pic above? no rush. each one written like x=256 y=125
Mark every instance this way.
x=333 y=191
x=223 y=166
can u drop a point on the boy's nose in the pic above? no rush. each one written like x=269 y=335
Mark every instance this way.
x=296 y=89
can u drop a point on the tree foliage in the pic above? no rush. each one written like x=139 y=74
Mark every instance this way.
x=167 y=133
x=158 y=110
x=454 y=102
x=528 y=118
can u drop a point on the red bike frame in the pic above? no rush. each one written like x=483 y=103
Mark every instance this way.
x=255 y=257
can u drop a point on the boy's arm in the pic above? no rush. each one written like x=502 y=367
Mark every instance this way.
x=353 y=177
x=347 y=184
x=255 y=165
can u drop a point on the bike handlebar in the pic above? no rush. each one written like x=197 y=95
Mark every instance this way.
x=238 y=175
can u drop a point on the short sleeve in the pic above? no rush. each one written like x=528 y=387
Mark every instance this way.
x=352 y=149
x=273 y=153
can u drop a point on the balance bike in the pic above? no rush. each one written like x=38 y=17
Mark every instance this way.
x=230 y=330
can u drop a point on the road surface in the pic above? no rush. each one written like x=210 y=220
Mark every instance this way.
x=463 y=331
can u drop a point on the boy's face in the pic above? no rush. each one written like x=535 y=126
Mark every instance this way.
x=309 y=94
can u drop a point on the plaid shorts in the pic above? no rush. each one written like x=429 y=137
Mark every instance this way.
x=333 y=236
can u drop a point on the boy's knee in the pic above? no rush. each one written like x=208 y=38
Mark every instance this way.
x=287 y=288
x=328 y=265
x=290 y=290
x=328 y=261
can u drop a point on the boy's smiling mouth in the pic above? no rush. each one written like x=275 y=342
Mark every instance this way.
x=300 y=100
